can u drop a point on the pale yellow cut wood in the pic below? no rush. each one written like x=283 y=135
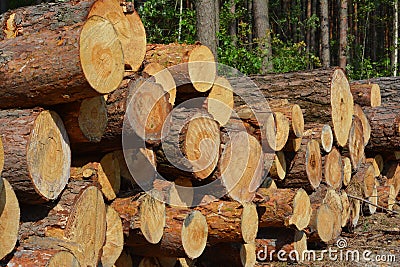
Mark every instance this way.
x=101 y=55
x=152 y=218
x=346 y=208
x=301 y=210
x=63 y=258
x=163 y=77
x=93 y=118
x=278 y=167
x=220 y=100
x=194 y=234
x=326 y=138
x=366 y=128
x=248 y=255
x=114 y=243
x=282 y=130
x=249 y=222
x=346 y=170
x=334 y=169
x=202 y=68
x=110 y=178
x=9 y=218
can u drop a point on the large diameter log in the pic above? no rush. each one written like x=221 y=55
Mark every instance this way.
x=9 y=218
x=220 y=101
x=33 y=19
x=366 y=94
x=162 y=76
x=333 y=169
x=37 y=154
x=43 y=257
x=355 y=146
x=38 y=58
x=114 y=242
x=199 y=66
x=385 y=128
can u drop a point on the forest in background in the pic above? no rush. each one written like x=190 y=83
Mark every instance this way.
x=261 y=36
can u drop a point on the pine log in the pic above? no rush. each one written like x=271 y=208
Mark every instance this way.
x=278 y=167
x=366 y=94
x=389 y=89
x=386 y=197
x=196 y=64
x=346 y=207
x=363 y=181
x=367 y=208
x=304 y=168
x=114 y=241
x=333 y=169
x=85 y=120
x=9 y=218
x=358 y=112
x=191 y=147
x=43 y=257
x=80 y=208
x=355 y=147
x=220 y=101
x=67 y=55
x=293 y=113
x=324 y=94
x=355 y=209
x=162 y=76
x=347 y=170
x=322 y=133
x=37 y=156
x=55 y=16
x=385 y=128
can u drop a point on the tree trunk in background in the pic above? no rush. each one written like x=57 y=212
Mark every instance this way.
x=308 y=34
x=395 y=52
x=262 y=32
x=3 y=6
x=205 y=24
x=232 y=25
x=343 y=34
x=325 y=53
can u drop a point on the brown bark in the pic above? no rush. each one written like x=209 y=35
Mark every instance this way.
x=43 y=257
x=325 y=50
x=38 y=58
x=368 y=95
x=343 y=25
x=206 y=21
x=389 y=88
x=262 y=33
x=385 y=128
x=36 y=153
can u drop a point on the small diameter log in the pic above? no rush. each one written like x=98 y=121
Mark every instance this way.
x=282 y=125
x=67 y=55
x=377 y=162
x=43 y=257
x=220 y=101
x=385 y=128
x=347 y=170
x=304 y=168
x=9 y=218
x=367 y=208
x=114 y=242
x=84 y=120
x=199 y=68
x=346 y=207
x=293 y=113
x=358 y=112
x=191 y=147
x=389 y=88
x=79 y=217
x=37 y=156
x=363 y=181
x=289 y=206
x=278 y=167
x=368 y=95
x=323 y=134
x=333 y=169
x=162 y=76
x=241 y=166
x=355 y=147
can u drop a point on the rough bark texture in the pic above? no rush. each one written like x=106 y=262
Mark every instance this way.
x=389 y=89
x=206 y=32
x=385 y=128
x=43 y=257
x=262 y=33
x=368 y=95
x=325 y=50
x=36 y=153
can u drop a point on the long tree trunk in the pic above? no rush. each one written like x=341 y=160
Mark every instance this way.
x=232 y=24
x=395 y=53
x=262 y=33
x=325 y=50
x=206 y=21
x=343 y=34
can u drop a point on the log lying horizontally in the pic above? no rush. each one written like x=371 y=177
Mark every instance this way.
x=43 y=257
x=389 y=89
x=368 y=95
x=36 y=59
x=37 y=154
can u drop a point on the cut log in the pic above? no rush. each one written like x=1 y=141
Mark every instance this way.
x=377 y=162
x=304 y=168
x=322 y=133
x=358 y=112
x=191 y=146
x=241 y=166
x=363 y=181
x=114 y=242
x=162 y=76
x=389 y=88
x=386 y=197
x=9 y=218
x=249 y=222
x=129 y=29
x=282 y=131
x=199 y=68
x=278 y=167
x=385 y=128
x=80 y=208
x=355 y=147
x=334 y=202
x=80 y=72
x=366 y=94
x=333 y=169
x=321 y=223
x=146 y=110
x=346 y=207
x=293 y=113
x=194 y=234
x=347 y=170
x=43 y=257
x=37 y=156
x=84 y=120
x=220 y=101
x=367 y=208
x=355 y=208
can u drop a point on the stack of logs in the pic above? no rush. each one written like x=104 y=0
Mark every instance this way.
x=70 y=73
